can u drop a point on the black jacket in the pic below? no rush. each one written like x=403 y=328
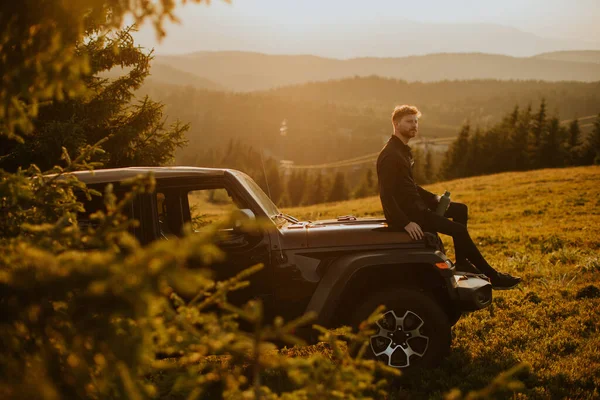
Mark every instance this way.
x=402 y=199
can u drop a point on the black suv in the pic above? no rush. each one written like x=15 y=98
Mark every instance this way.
x=341 y=268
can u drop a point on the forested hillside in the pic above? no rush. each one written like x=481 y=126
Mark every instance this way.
x=337 y=120
x=450 y=103
x=525 y=139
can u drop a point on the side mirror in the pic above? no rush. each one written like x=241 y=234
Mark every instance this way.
x=240 y=216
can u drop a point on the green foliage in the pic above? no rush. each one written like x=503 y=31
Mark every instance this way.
x=288 y=187
x=455 y=165
x=474 y=154
x=339 y=190
x=367 y=187
x=522 y=141
x=573 y=144
x=552 y=145
x=239 y=155
x=592 y=146
x=29 y=198
x=87 y=311
x=75 y=300
x=428 y=168
x=316 y=194
x=297 y=186
x=502 y=384
x=40 y=60
x=135 y=129
x=254 y=368
x=517 y=142
x=534 y=140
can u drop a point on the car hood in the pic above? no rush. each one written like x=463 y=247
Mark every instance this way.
x=342 y=232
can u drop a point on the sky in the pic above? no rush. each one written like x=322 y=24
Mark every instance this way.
x=255 y=25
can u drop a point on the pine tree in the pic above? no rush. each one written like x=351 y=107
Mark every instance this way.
x=428 y=169
x=296 y=187
x=275 y=183
x=289 y=187
x=573 y=145
x=135 y=129
x=419 y=166
x=366 y=187
x=316 y=194
x=538 y=129
x=503 y=156
x=592 y=146
x=518 y=141
x=574 y=138
x=454 y=165
x=474 y=164
x=551 y=149
x=513 y=118
x=492 y=150
x=339 y=190
x=270 y=181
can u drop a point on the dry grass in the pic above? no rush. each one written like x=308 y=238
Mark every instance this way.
x=544 y=226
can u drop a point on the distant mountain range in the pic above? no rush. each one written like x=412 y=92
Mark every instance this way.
x=375 y=35
x=586 y=56
x=165 y=73
x=244 y=71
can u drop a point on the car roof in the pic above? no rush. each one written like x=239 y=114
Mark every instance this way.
x=121 y=174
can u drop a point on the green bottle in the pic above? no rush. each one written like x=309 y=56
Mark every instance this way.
x=443 y=204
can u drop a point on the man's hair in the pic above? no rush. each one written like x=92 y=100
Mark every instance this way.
x=401 y=111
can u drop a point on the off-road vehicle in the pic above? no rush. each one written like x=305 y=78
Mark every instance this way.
x=341 y=268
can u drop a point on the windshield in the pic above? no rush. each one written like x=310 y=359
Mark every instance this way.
x=257 y=193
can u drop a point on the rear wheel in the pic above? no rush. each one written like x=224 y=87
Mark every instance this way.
x=414 y=330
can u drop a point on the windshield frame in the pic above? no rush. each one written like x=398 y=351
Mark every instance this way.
x=257 y=194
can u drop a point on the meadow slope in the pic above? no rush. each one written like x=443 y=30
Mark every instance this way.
x=544 y=226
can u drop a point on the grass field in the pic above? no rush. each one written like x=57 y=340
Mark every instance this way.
x=544 y=226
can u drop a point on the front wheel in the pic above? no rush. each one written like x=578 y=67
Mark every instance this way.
x=414 y=330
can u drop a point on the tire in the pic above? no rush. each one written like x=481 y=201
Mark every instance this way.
x=421 y=322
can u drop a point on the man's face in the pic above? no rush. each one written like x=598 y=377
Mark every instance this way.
x=408 y=126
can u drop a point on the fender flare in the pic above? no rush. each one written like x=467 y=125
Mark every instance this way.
x=330 y=288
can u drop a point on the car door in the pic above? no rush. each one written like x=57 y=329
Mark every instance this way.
x=139 y=209
x=202 y=204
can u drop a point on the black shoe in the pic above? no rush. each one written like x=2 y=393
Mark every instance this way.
x=504 y=281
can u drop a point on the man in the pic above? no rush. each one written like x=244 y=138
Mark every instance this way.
x=410 y=207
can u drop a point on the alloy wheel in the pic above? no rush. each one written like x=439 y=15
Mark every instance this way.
x=400 y=339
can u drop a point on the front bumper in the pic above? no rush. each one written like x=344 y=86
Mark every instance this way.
x=474 y=292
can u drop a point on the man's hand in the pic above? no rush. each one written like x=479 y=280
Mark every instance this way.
x=414 y=230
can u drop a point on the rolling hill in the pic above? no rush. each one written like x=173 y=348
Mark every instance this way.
x=166 y=74
x=544 y=226
x=586 y=56
x=243 y=71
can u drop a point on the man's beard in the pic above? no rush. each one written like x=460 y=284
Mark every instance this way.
x=409 y=133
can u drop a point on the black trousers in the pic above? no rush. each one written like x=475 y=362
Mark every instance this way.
x=464 y=247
